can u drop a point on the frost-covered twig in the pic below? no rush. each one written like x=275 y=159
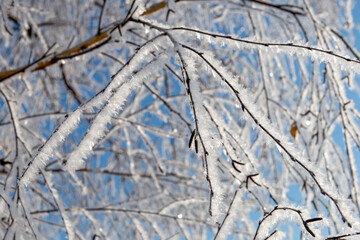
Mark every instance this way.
x=298 y=212
x=271 y=134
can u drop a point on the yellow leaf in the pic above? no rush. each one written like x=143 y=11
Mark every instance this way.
x=154 y=8
x=293 y=130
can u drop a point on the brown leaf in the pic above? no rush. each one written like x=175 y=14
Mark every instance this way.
x=154 y=8
x=293 y=130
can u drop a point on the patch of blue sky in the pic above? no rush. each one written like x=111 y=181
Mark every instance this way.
x=255 y=216
x=251 y=57
x=101 y=76
x=80 y=130
x=294 y=194
x=209 y=233
x=176 y=84
x=49 y=125
x=147 y=100
x=61 y=235
x=291 y=229
x=297 y=79
x=239 y=28
x=2 y=108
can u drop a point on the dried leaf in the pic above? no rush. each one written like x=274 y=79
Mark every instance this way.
x=154 y=8
x=84 y=45
x=10 y=73
x=293 y=130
